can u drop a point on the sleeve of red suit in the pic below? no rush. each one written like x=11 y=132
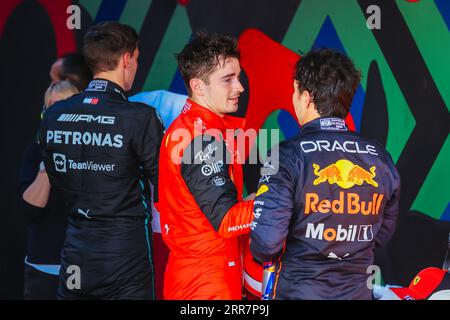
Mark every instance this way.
x=205 y=170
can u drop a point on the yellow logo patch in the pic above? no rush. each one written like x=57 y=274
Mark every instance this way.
x=345 y=174
x=262 y=189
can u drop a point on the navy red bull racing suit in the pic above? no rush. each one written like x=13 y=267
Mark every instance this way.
x=321 y=209
x=100 y=151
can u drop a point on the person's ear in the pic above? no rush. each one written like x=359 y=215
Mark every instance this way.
x=126 y=59
x=306 y=96
x=197 y=85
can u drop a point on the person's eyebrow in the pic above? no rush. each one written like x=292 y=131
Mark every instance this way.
x=229 y=75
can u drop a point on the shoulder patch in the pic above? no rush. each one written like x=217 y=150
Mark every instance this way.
x=262 y=189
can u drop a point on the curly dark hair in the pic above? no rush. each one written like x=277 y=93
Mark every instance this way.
x=105 y=42
x=331 y=79
x=203 y=54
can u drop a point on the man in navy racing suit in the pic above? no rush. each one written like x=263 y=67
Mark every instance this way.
x=330 y=198
x=100 y=151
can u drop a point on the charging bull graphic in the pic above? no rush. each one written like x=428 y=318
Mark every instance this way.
x=358 y=175
x=345 y=174
x=330 y=173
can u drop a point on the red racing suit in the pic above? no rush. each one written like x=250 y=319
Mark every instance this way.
x=201 y=208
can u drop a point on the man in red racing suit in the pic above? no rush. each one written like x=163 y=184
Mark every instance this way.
x=201 y=208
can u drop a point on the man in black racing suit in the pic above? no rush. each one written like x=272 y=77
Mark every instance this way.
x=329 y=198
x=100 y=151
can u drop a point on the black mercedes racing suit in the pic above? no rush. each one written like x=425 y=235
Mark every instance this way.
x=101 y=150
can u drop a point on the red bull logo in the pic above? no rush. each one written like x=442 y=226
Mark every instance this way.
x=345 y=174
x=349 y=203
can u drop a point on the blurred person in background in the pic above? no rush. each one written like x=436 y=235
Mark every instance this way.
x=72 y=67
x=42 y=208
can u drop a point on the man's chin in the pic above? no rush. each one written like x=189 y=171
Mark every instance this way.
x=232 y=108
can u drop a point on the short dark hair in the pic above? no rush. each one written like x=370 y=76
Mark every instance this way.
x=202 y=55
x=75 y=69
x=331 y=79
x=105 y=42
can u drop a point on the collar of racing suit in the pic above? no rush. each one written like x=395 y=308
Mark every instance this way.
x=214 y=120
x=324 y=124
x=107 y=86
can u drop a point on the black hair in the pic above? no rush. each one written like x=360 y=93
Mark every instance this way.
x=331 y=79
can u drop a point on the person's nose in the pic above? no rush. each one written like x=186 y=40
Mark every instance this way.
x=239 y=87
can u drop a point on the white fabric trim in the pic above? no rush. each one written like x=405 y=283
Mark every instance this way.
x=255 y=285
